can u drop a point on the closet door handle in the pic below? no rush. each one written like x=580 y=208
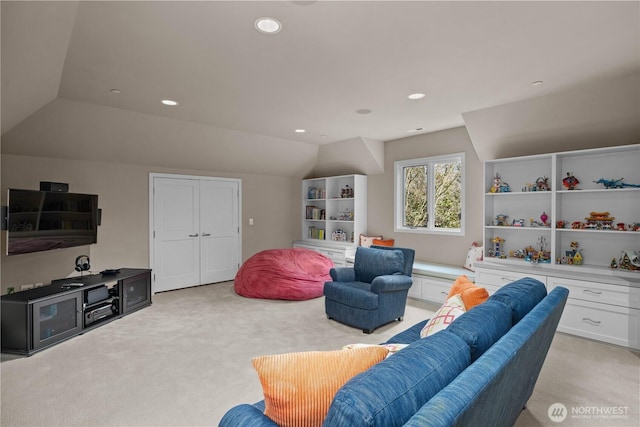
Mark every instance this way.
x=589 y=291
x=206 y=234
x=193 y=235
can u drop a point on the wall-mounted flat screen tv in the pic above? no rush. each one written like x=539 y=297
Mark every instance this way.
x=45 y=220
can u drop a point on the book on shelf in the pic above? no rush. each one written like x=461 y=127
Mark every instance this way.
x=316 y=233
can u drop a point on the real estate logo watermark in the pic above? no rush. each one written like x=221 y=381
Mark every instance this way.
x=558 y=412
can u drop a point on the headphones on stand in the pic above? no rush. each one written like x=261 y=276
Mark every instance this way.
x=83 y=263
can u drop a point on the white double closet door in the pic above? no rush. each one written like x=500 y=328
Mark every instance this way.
x=195 y=230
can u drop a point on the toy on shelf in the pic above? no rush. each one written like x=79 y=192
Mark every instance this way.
x=339 y=236
x=346 y=192
x=574 y=256
x=541 y=255
x=542 y=183
x=615 y=183
x=599 y=221
x=629 y=260
x=544 y=217
x=570 y=182
x=501 y=220
x=497 y=250
x=517 y=222
x=543 y=221
x=561 y=224
x=499 y=186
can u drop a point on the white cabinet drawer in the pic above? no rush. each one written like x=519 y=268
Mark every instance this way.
x=415 y=291
x=335 y=255
x=435 y=290
x=498 y=278
x=603 y=322
x=624 y=296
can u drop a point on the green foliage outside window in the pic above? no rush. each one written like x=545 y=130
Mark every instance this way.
x=447 y=195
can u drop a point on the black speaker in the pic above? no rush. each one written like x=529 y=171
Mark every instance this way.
x=82 y=263
x=60 y=187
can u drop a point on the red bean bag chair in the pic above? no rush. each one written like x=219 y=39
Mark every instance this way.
x=289 y=274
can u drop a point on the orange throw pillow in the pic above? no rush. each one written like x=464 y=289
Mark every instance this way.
x=471 y=294
x=299 y=387
x=381 y=242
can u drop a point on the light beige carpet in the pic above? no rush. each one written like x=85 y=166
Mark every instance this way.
x=185 y=361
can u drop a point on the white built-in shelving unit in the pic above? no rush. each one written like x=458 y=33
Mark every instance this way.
x=334 y=214
x=604 y=302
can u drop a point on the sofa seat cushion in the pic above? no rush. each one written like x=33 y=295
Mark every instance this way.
x=389 y=393
x=352 y=294
x=521 y=295
x=482 y=326
x=371 y=263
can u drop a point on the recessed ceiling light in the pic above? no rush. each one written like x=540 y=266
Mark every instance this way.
x=300 y=130
x=416 y=95
x=537 y=83
x=115 y=90
x=169 y=102
x=268 y=25
x=363 y=111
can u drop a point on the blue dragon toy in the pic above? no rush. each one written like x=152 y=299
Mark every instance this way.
x=615 y=183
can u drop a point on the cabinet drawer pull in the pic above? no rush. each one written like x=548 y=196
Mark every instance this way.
x=506 y=279
x=444 y=293
x=589 y=291
x=205 y=234
x=591 y=321
x=193 y=235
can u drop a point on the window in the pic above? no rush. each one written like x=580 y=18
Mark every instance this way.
x=429 y=195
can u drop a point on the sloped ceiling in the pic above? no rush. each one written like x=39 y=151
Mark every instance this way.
x=601 y=114
x=340 y=70
x=35 y=39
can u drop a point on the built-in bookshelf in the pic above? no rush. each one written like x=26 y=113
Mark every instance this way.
x=569 y=219
x=334 y=209
x=530 y=204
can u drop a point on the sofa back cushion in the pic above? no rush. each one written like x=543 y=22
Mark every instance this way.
x=389 y=393
x=521 y=295
x=482 y=326
x=370 y=263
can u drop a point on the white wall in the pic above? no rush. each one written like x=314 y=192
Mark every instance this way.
x=123 y=237
x=435 y=248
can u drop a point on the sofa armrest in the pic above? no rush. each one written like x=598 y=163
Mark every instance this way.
x=343 y=274
x=391 y=283
x=245 y=415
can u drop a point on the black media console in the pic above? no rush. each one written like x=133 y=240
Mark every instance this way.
x=35 y=319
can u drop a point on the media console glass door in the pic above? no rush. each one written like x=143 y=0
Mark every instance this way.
x=136 y=292
x=56 y=319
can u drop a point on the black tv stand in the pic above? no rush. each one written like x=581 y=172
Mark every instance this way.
x=35 y=319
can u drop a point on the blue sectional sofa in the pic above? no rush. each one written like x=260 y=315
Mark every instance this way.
x=481 y=370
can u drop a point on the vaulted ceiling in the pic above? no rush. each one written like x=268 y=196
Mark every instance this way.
x=339 y=70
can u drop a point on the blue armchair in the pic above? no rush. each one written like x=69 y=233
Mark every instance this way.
x=374 y=291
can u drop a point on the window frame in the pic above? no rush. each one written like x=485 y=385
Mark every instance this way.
x=399 y=194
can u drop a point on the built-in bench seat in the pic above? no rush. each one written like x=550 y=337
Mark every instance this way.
x=431 y=280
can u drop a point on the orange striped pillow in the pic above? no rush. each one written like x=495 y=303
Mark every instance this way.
x=299 y=387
